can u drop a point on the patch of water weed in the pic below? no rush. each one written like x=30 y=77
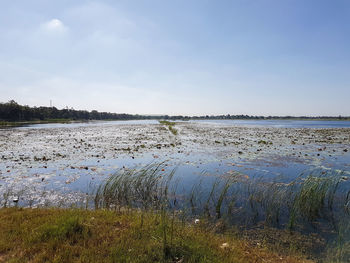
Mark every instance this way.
x=170 y=126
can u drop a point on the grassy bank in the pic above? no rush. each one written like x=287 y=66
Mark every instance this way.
x=57 y=235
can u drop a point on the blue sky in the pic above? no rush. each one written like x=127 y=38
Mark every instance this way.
x=256 y=57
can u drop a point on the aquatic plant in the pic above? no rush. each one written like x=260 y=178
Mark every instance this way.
x=168 y=123
x=221 y=197
x=6 y=195
x=313 y=199
x=143 y=188
x=170 y=126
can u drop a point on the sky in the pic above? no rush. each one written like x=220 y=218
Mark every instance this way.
x=188 y=57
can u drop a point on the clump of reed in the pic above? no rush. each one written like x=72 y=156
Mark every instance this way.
x=318 y=201
x=306 y=199
x=170 y=126
x=147 y=189
x=5 y=196
x=144 y=188
x=314 y=199
x=214 y=200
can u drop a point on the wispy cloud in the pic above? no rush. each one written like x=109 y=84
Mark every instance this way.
x=55 y=26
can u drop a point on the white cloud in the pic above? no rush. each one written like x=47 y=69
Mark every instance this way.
x=55 y=25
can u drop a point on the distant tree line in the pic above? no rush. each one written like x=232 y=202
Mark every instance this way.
x=13 y=112
x=250 y=117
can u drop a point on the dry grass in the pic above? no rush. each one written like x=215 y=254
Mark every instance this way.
x=57 y=235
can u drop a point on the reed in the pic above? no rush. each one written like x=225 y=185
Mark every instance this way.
x=144 y=188
x=314 y=199
x=170 y=126
x=317 y=201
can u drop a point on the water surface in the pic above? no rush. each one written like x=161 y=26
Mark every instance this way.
x=282 y=123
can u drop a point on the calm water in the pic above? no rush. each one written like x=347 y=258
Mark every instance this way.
x=252 y=123
x=282 y=123
x=85 y=124
x=58 y=176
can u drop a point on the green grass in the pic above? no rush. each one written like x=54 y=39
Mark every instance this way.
x=58 y=235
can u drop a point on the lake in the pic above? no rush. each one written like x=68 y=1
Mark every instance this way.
x=255 y=170
x=258 y=123
x=283 y=123
x=51 y=163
